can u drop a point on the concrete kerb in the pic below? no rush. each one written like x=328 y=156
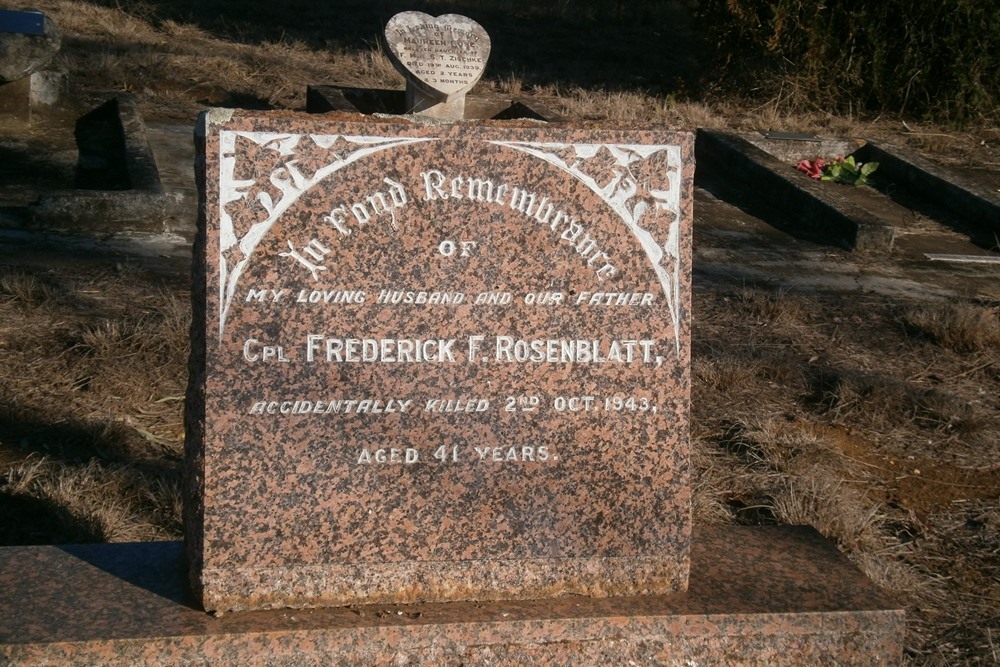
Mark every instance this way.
x=139 y=159
x=758 y=169
x=324 y=98
x=809 y=209
x=143 y=206
x=935 y=183
x=790 y=147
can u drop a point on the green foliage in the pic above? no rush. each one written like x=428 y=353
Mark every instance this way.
x=935 y=58
x=848 y=171
x=839 y=170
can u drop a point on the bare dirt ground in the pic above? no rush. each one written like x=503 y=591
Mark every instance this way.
x=874 y=418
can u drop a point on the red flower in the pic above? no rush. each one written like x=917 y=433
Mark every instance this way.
x=812 y=169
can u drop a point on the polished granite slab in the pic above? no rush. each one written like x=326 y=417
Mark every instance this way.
x=757 y=596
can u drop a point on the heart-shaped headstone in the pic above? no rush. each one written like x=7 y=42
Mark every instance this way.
x=443 y=57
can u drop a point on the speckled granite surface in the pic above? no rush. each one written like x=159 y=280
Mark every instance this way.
x=757 y=596
x=438 y=362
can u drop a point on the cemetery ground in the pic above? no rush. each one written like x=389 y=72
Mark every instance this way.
x=874 y=418
x=872 y=414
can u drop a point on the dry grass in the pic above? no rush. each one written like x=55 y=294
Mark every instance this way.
x=24 y=288
x=962 y=328
x=91 y=502
x=825 y=411
x=91 y=436
x=623 y=106
x=178 y=67
x=179 y=56
x=965 y=549
x=766 y=307
x=725 y=371
x=884 y=403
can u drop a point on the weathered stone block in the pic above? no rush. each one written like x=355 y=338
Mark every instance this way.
x=21 y=53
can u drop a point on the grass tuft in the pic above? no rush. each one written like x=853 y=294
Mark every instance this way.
x=25 y=288
x=723 y=372
x=88 y=503
x=962 y=328
x=767 y=307
x=884 y=403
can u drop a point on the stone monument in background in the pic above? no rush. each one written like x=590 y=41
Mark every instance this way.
x=441 y=59
x=29 y=41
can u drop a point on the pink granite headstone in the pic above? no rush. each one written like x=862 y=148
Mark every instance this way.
x=438 y=362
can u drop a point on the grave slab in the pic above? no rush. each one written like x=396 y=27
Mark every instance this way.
x=759 y=597
x=438 y=362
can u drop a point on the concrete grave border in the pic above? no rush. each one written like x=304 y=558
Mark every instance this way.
x=814 y=210
x=322 y=98
x=145 y=206
x=746 y=165
x=936 y=183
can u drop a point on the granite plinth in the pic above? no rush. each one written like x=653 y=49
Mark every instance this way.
x=758 y=597
x=438 y=362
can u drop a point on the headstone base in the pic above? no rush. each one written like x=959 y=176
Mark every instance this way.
x=42 y=88
x=368 y=101
x=15 y=100
x=758 y=596
x=425 y=105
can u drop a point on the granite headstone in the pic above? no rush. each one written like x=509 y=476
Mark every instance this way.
x=438 y=362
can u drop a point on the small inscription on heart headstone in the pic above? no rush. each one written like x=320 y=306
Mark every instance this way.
x=443 y=57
